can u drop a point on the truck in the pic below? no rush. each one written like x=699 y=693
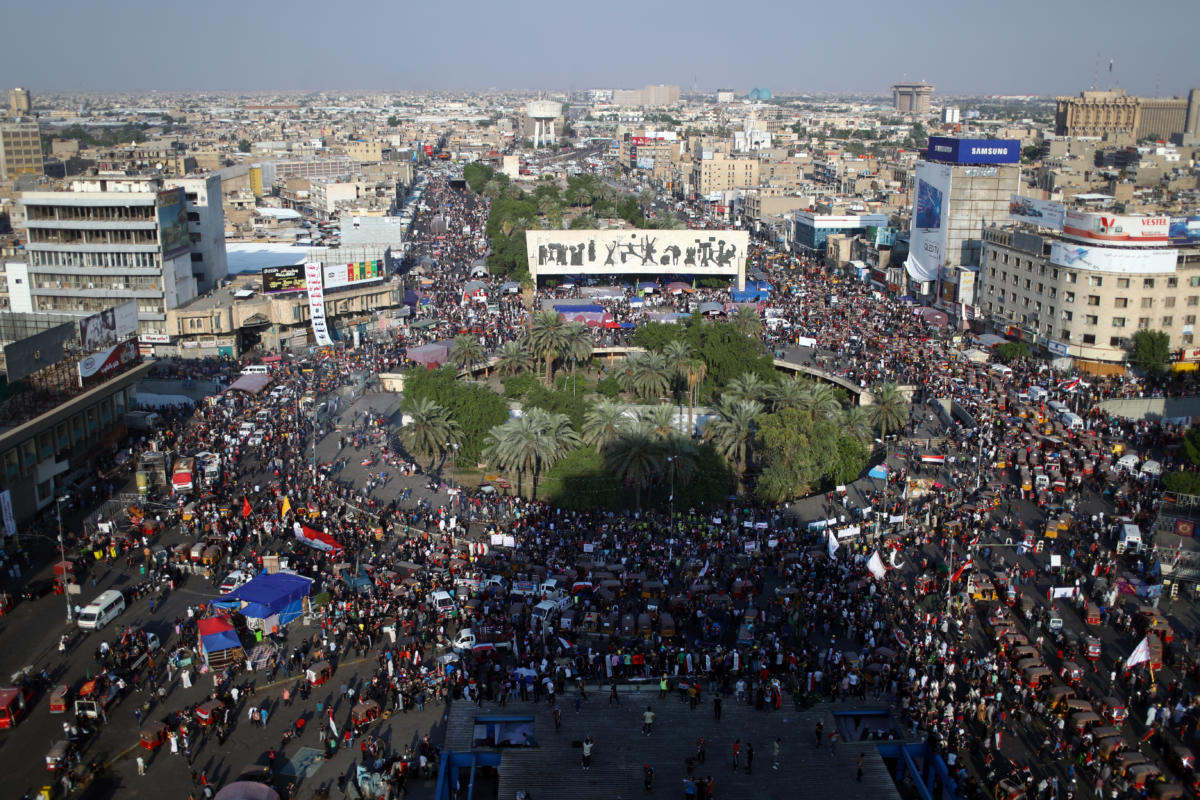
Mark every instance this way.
x=143 y=421
x=183 y=477
x=93 y=700
x=151 y=472
x=468 y=639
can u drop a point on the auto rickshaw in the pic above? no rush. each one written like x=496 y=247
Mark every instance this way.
x=318 y=673
x=364 y=713
x=981 y=588
x=1166 y=791
x=1058 y=695
x=1074 y=705
x=153 y=735
x=1081 y=721
x=1071 y=673
x=14 y=704
x=1156 y=657
x=1113 y=710
x=60 y=699
x=59 y=756
x=1183 y=762
x=1093 y=646
x=206 y=713
x=925 y=584
x=1009 y=789
x=1037 y=677
x=1091 y=613
x=1141 y=774
x=1110 y=747
x=666 y=626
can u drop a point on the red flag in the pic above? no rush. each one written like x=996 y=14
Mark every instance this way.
x=966 y=566
x=245 y=508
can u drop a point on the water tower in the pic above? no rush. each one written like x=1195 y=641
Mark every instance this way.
x=543 y=113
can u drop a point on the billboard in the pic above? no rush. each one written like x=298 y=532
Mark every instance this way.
x=283 y=279
x=881 y=235
x=927 y=240
x=171 y=215
x=1036 y=212
x=974 y=151
x=316 y=303
x=1184 y=230
x=1117 y=229
x=24 y=357
x=645 y=162
x=1109 y=259
x=653 y=252
x=108 y=327
x=339 y=275
x=99 y=367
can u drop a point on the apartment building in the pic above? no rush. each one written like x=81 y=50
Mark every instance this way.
x=20 y=148
x=109 y=238
x=713 y=173
x=1085 y=300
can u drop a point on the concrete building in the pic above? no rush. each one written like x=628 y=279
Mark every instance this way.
x=951 y=115
x=724 y=95
x=714 y=173
x=366 y=152
x=157 y=240
x=811 y=232
x=1114 y=113
x=1086 y=301
x=20 y=102
x=651 y=96
x=20 y=148
x=52 y=430
x=912 y=98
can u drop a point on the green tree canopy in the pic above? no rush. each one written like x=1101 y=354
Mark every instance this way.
x=476 y=409
x=1149 y=350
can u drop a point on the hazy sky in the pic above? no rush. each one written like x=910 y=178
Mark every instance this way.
x=967 y=46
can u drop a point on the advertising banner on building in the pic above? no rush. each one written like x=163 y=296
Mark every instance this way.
x=10 y=522
x=24 y=357
x=108 y=327
x=1185 y=230
x=1109 y=259
x=927 y=240
x=1036 y=212
x=655 y=252
x=99 y=367
x=171 y=215
x=316 y=303
x=974 y=151
x=276 y=280
x=645 y=162
x=339 y=275
x=1116 y=229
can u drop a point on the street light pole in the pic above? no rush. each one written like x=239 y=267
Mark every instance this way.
x=62 y=553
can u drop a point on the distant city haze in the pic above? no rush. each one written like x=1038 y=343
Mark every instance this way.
x=1011 y=47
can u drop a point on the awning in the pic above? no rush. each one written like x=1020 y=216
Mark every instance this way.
x=709 y=307
x=251 y=384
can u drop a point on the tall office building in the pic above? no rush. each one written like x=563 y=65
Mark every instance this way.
x=912 y=98
x=20 y=148
x=158 y=241
x=20 y=102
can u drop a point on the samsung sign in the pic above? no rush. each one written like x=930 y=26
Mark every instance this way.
x=974 y=151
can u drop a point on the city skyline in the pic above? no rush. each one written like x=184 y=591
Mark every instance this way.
x=1039 y=49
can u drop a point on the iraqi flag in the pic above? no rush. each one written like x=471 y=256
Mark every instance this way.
x=929 y=458
x=968 y=564
x=332 y=725
x=1069 y=386
x=565 y=644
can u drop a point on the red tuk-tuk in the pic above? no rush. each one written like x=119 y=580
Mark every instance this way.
x=60 y=699
x=1156 y=656
x=926 y=584
x=14 y=704
x=1091 y=613
x=364 y=713
x=319 y=672
x=1092 y=650
x=206 y=713
x=1071 y=673
x=59 y=756
x=153 y=735
x=1113 y=710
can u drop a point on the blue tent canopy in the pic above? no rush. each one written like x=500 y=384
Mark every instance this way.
x=281 y=593
x=225 y=640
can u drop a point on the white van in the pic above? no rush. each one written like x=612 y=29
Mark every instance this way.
x=1001 y=370
x=101 y=611
x=1130 y=540
x=1037 y=394
x=543 y=610
x=256 y=369
x=1058 y=407
x=1072 y=421
x=442 y=602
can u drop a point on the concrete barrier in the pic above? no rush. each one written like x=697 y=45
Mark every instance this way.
x=1153 y=408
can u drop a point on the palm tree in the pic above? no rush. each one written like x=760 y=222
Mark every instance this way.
x=747 y=322
x=466 y=352
x=531 y=443
x=678 y=353
x=513 y=358
x=429 y=430
x=695 y=372
x=659 y=419
x=604 y=422
x=820 y=401
x=547 y=338
x=732 y=431
x=890 y=411
x=578 y=346
x=856 y=422
x=680 y=458
x=747 y=386
x=650 y=378
x=634 y=458
x=788 y=393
